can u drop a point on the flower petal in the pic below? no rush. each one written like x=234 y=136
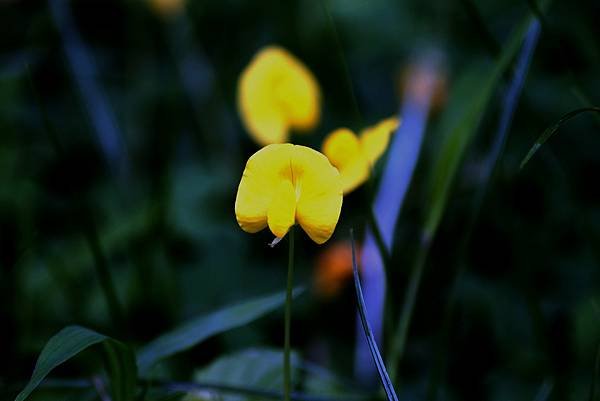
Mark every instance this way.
x=263 y=119
x=343 y=149
x=264 y=172
x=282 y=210
x=374 y=140
x=319 y=193
x=277 y=92
x=298 y=94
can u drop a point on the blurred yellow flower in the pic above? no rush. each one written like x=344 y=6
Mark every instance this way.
x=355 y=156
x=277 y=93
x=285 y=184
x=167 y=8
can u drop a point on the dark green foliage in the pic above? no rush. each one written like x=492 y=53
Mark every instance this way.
x=144 y=247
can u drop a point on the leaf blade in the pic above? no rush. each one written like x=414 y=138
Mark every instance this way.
x=383 y=375
x=551 y=130
x=203 y=327
x=61 y=347
x=462 y=130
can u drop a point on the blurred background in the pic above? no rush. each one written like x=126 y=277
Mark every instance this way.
x=121 y=149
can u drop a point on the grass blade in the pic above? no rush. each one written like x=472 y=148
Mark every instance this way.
x=478 y=89
x=84 y=73
x=461 y=134
x=509 y=106
x=383 y=375
x=550 y=131
x=69 y=342
x=203 y=327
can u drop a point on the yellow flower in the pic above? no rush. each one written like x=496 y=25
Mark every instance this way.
x=355 y=156
x=277 y=93
x=285 y=184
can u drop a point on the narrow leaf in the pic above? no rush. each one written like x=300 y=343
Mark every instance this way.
x=550 y=131
x=67 y=343
x=383 y=375
x=203 y=327
x=462 y=130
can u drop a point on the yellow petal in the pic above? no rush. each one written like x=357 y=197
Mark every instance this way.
x=319 y=193
x=276 y=92
x=283 y=184
x=343 y=149
x=264 y=172
x=298 y=93
x=282 y=210
x=374 y=140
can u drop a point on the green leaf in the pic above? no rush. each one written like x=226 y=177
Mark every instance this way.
x=256 y=373
x=388 y=387
x=203 y=327
x=257 y=369
x=459 y=133
x=550 y=131
x=69 y=342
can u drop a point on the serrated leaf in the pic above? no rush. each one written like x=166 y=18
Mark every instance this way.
x=203 y=327
x=69 y=342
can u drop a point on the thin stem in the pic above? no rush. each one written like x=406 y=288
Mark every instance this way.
x=379 y=242
x=399 y=338
x=287 y=374
x=87 y=226
x=105 y=278
x=342 y=59
x=509 y=107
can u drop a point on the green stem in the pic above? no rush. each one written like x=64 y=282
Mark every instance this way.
x=89 y=230
x=287 y=374
x=399 y=339
x=342 y=59
x=105 y=279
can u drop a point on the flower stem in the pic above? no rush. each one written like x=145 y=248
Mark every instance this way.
x=399 y=339
x=105 y=278
x=287 y=375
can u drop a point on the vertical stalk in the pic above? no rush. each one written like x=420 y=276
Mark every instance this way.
x=399 y=340
x=106 y=281
x=287 y=374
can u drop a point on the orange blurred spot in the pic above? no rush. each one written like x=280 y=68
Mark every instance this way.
x=422 y=82
x=334 y=268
